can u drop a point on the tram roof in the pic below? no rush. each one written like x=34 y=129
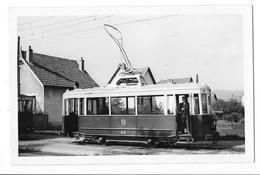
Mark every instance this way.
x=151 y=87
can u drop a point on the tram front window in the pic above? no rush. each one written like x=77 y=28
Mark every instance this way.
x=204 y=103
x=73 y=106
x=196 y=104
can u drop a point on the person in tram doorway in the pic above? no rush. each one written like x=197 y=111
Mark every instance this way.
x=183 y=112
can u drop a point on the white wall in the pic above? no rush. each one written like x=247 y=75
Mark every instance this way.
x=30 y=84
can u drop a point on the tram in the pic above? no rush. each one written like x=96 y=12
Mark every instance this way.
x=133 y=110
x=147 y=113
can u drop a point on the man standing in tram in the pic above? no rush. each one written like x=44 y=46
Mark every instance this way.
x=183 y=112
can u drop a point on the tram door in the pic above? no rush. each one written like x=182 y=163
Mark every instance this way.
x=183 y=113
x=70 y=119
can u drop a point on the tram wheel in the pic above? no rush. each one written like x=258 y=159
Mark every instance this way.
x=151 y=143
x=102 y=141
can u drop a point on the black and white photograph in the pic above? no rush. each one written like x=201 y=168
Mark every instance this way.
x=132 y=85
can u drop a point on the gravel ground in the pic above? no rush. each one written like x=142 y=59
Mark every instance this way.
x=47 y=144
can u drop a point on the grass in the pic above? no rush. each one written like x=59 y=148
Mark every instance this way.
x=230 y=130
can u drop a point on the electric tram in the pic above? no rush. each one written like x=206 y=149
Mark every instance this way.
x=145 y=113
x=132 y=110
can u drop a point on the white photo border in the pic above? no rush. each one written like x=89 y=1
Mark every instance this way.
x=244 y=10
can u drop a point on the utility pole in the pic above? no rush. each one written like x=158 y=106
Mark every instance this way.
x=18 y=67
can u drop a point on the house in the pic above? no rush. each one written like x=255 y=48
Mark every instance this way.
x=146 y=73
x=176 y=81
x=47 y=78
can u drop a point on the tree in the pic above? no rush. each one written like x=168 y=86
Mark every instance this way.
x=232 y=109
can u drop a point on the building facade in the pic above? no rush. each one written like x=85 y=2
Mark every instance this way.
x=47 y=78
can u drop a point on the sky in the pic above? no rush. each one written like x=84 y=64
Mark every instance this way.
x=173 y=46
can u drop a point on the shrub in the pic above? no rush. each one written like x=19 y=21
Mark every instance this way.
x=233 y=117
x=232 y=109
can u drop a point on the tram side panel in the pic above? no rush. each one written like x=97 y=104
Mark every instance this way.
x=123 y=125
x=135 y=126
x=95 y=125
x=156 y=126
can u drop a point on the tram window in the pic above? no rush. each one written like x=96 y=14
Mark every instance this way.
x=70 y=105
x=76 y=106
x=209 y=99
x=196 y=104
x=170 y=104
x=92 y=106
x=81 y=106
x=204 y=103
x=103 y=105
x=65 y=107
x=118 y=105
x=158 y=104
x=144 y=105
x=151 y=105
x=73 y=105
x=98 y=106
x=122 y=105
x=131 y=105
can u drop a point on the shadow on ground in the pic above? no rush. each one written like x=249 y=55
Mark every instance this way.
x=38 y=136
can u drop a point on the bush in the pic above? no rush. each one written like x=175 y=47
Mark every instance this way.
x=233 y=117
x=232 y=110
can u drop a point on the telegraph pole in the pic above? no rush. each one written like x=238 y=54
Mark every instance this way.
x=18 y=67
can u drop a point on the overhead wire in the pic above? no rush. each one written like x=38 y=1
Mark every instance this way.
x=96 y=28
x=35 y=21
x=55 y=23
x=46 y=31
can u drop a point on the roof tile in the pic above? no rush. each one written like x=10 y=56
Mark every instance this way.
x=54 y=71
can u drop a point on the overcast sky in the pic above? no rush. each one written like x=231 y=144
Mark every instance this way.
x=175 y=46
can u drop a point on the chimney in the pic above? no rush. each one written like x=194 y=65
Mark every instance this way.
x=81 y=64
x=29 y=55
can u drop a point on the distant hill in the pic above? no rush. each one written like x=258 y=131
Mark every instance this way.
x=226 y=95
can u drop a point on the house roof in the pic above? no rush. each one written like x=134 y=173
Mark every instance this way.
x=176 y=81
x=60 y=72
x=143 y=71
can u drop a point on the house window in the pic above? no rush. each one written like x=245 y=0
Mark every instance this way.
x=66 y=104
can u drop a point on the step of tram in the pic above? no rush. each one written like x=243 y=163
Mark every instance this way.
x=184 y=138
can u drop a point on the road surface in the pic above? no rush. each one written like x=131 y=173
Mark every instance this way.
x=54 y=145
